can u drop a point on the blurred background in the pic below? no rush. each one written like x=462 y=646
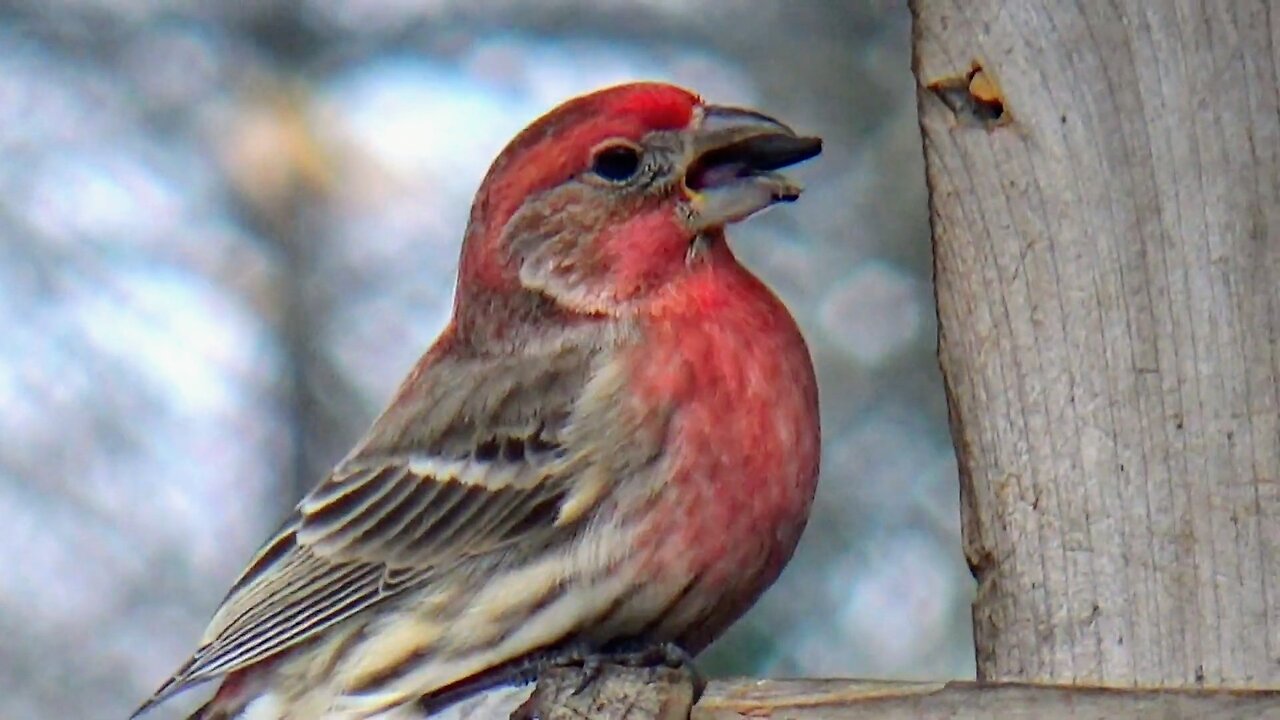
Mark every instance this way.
x=227 y=230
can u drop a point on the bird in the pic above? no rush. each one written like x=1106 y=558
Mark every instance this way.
x=613 y=444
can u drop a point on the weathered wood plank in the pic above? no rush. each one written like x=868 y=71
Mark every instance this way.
x=663 y=694
x=1105 y=198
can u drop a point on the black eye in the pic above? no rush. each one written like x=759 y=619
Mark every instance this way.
x=616 y=162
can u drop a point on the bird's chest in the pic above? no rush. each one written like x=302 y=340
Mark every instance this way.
x=738 y=404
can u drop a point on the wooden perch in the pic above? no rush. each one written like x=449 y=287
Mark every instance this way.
x=1104 y=182
x=623 y=693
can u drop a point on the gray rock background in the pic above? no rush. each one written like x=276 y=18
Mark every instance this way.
x=227 y=229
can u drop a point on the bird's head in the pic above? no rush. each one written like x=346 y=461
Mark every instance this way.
x=608 y=198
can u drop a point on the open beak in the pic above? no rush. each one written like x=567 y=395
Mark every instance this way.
x=735 y=156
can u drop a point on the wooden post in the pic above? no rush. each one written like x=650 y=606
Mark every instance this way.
x=1105 y=197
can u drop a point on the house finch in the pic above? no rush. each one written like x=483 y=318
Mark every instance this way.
x=614 y=442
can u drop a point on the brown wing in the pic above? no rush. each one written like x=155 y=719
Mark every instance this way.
x=472 y=458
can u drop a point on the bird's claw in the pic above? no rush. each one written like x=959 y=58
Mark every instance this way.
x=667 y=654
x=592 y=666
x=676 y=658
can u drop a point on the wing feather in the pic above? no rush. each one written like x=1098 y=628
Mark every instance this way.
x=468 y=461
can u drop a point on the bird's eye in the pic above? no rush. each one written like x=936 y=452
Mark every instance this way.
x=616 y=162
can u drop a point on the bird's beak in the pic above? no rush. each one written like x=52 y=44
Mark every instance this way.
x=734 y=155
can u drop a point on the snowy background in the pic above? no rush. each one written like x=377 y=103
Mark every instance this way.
x=227 y=229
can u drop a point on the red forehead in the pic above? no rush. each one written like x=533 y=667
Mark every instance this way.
x=625 y=110
x=655 y=106
x=558 y=144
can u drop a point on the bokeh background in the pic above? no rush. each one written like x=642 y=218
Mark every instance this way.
x=227 y=229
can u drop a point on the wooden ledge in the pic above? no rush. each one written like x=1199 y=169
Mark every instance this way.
x=622 y=693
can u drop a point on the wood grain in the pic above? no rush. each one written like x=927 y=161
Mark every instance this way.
x=1107 y=258
x=623 y=693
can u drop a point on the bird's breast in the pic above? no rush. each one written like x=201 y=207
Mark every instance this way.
x=732 y=379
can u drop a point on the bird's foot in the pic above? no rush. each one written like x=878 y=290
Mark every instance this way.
x=590 y=662
x=591 y=667
x=635 y=654
x=667 y=654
